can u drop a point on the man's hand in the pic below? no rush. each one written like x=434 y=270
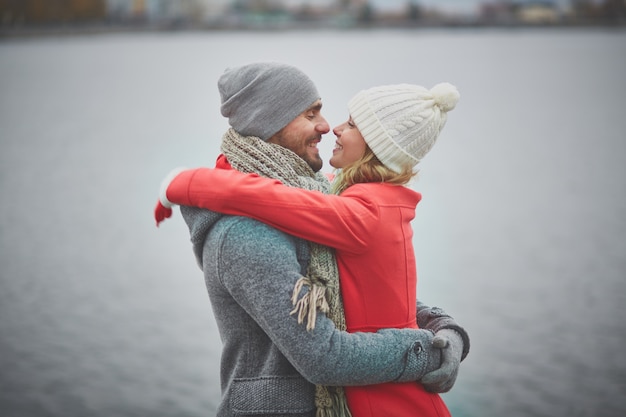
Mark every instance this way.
x=442 y=379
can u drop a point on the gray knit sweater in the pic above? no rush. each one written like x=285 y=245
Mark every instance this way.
x=269 y=362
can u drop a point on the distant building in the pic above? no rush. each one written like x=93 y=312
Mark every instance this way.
x=498 y=13
x=538 y=13
x=159 y=11
x=37 y=12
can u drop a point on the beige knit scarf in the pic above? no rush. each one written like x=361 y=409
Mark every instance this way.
x=252 y=155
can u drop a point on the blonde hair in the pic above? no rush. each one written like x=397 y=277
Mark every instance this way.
x=368 y=168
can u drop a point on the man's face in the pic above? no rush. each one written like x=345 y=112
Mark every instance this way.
x=302 y=135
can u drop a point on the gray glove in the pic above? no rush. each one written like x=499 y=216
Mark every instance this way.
x=442 y=379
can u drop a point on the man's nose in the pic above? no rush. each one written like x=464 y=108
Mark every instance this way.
x=322 y=126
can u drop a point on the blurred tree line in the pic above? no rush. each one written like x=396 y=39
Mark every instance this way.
x=51 y=11
x=16 y=13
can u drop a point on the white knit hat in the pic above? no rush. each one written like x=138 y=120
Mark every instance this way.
x=401 y=122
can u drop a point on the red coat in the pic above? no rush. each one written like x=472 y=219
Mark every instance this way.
x=369 y=226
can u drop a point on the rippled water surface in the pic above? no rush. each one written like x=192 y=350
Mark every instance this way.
x=520 y=233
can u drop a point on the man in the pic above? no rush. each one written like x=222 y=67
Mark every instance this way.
x=270 y=360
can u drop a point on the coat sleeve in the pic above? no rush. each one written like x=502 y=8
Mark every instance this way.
x=259 y=268
x=343 y=223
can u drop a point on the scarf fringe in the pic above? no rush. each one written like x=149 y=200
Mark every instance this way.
x=307 y=306
x=331 y=404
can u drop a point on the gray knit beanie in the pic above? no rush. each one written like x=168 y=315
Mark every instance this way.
x=400 y=123
x=261 y=98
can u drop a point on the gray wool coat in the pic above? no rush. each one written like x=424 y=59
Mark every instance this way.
x=270 y=363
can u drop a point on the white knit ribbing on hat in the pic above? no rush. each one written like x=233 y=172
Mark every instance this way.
x=401 y=122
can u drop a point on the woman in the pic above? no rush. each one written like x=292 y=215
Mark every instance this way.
x=367 y=221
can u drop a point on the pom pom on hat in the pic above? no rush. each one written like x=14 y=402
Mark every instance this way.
x=446 y=96
x=401 y=122
x=259 y=99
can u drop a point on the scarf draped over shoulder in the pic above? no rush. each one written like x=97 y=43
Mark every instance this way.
x=250 y=154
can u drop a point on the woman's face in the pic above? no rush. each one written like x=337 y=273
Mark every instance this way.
x=349 y=146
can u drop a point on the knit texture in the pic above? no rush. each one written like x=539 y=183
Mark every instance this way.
x=260 y=99
x=250 y=154
x=401 y=122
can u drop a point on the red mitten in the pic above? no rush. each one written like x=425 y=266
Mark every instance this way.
x=163 y=209
x=161 y=213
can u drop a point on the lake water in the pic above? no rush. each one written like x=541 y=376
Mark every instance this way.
x=520 y=234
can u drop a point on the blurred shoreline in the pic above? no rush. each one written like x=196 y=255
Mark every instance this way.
x=29 y=18
x=37 y=31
